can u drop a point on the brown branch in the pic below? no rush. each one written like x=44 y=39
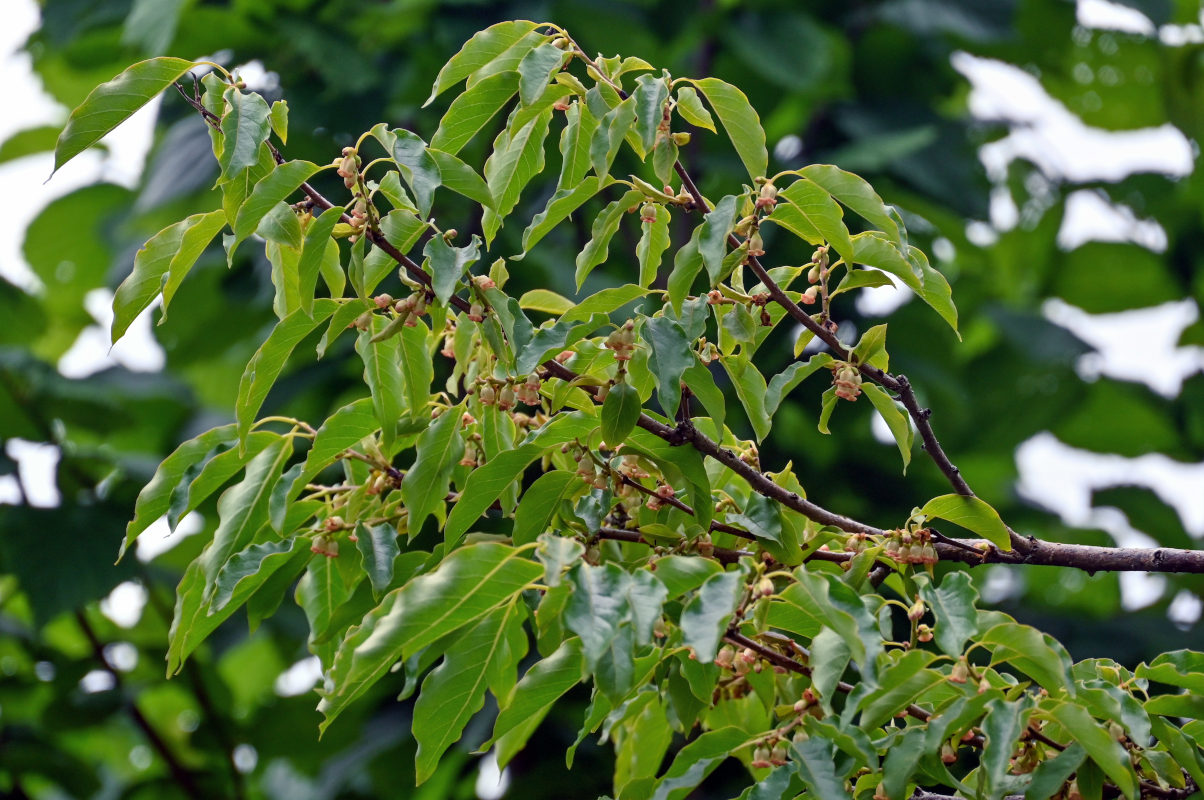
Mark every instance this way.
x=721 y=554
x=182 y=776
x=1089 y=558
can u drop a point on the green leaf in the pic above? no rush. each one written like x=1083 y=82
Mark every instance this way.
x=817 y=768
x=671 y=355
x=650 y=96
x=620 y=411
x=209 y=474
x=278 y=119
x=876 y=250
x=448 y=264
x=1100 y=746
x=155 y=498
x=705 y=618
x=472 y=110
x=579 y=128
x=249 y=565
x=598 y=607
x=830 y=657
x=516 y=158
x=692 y=110
x=654 y=241
x=536 y=70
x=461 y=178
x=952 y=606
x=345 y=428
x=160 y=266
x=609 y=135
x=860 y=279
x=1182 y=668
x=486 y=484
x=696 y=760
x=686 y=265
x=712 y=240
x=701 y=383
x=382 y=373
x=681 y=574
x=741 y=122
x=455 y=690
x=417 y=166
x=1036 y=654
x=604 y=228
x=483 y=48
x=546 y=301
x=440 y=448
x=820 y=212
x=902 y=683
x=902 y=760
x=557 y=553
x=751 y=389
x=244 y=127
x=559 y=208
x=761 y=517
x=854 y=192
x=784 y=382
x=835 y=605
x=272 y=189
x=115 y=101
x=543 y=684
x=896 y=419
x=1051 y=775
x=684 y=461
x=418 y=367
x=604 y=302
x=470 y=583
x=871 y=348
x=970 y=513
x=269 y=360
x=313 y=255
x=1003 y=725
x=377 y=545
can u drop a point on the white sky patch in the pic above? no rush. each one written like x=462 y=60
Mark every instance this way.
x=300 y=678
x=124 y=605
x=98 y=680
x=158 y=538
x=1091 y=217
x=1137 y=345
x=37 y=463
x=1113 y=16
x=137 y=350
x=492 y=783
x=880 y=301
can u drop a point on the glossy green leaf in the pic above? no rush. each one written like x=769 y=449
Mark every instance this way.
x=440 y=448
x=895 y=417
x=482 y=49
x=472 y=110
x=952 y=606
x=671 y=355
x=486 y=484
x=783 y=383
x=741 y=122
x=161 y=265
x=448 y=264
x=278 y=119
x=681 y=574
x=705 y=618
x=313 y=253
x=752 y=391
x=272 y=189
x=654 y=241
x=575 y=139
x=675 y=461
x=461 y=178
x=855 y=193
x=620 y=411
x=516 y=159
x=701 y=383
x=377 y=546
x=903 y=683
x=598 y=607
x=691 y=109
x=1036 y=654
x=544 y=683
x=650 y=96
x=115 y=101
x=1002 y=726
x=687 y=263
x=253 y=565
x=546 y=301
x=696 y=760
x=382 y=373
x=604 y=302
x=245 y=127
x=712 y=240
x=876 y=250
x=455 y=690
x=560 y=207
x=817 y=768
x=609 y=135
x=970 y=513
x=557 y=553
x=820 y=212
x=1182 y=668
x=1051 y=775
x=901 y=762
x=605 y=226
x=536 y=70
x=417 y=166
x=1100 y=746
x=835 y=605
x=471 y=582
x=270 y=359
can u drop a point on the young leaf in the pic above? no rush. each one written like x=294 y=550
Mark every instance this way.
x=440 y=448
x=472 y=110
x=895 y=418
x=115 y=101
x=972 y=514
x=536 y=70
x=654 y=241
x=483 y=48
x=604 y=302
x=692 y=110
x=620 y=411
x=784 y=382
x=470 y=583
x=741 y=122
x=245 y=127
x=160 y=266
x=546 y=301
x=278 y=119
x=269 y=360
x=605 y=226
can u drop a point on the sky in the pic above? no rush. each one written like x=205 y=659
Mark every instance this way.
x=1052 y=474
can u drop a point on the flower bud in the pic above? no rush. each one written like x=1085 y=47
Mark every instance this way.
x=476 y=312
x=681 y=138
x=810 y=296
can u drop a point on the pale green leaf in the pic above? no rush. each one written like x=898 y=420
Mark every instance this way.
x=741 y=122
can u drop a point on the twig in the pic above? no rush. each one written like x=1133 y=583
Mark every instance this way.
x=721 y=554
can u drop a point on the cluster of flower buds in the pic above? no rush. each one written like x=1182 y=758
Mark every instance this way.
x=740 y=662
x=324 y=545
x=820 y=259
x=765 y=755
x=911 y=547
x=622 y=341
x=768 y=196
x=528 y=390
x=847 y=380
x=663 y=492
x=349 y=167
x=858 y=543
x=411 y=308
x=588 y=471
x=359 y=215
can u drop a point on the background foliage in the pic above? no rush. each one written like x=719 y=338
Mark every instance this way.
x=869 y=88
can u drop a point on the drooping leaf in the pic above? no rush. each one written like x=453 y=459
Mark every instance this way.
x=560 y=206
x=245 y=126
x=671 y=355
x=605 y=226
x=654 y=241
x=382 y=373
x=448 y=264
x=440 y=448
x=784 y=382
x=314 y=252
x=472 y=110
x=377 y=546
x=539 y=502
x=854 y=192
x=598 y=607
x=650 y=96
x=270 y=191
x=820 y=212
x=705 y=618
x=115 y=101
x=461 y=178
x=517 y=158
x=896 y=419
x=1100 y=746
x=620 y=411
x=575 y=140
x=609 y=135
x=483 y=48
x=741 y=122
x=712 y=240
x=543 y=684
x=536 y=70
x=417 y=166
x=696 y=760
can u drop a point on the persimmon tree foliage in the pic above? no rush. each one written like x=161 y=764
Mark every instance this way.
x=529 y=493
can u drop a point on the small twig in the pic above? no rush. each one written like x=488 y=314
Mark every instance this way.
x=721 y=554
